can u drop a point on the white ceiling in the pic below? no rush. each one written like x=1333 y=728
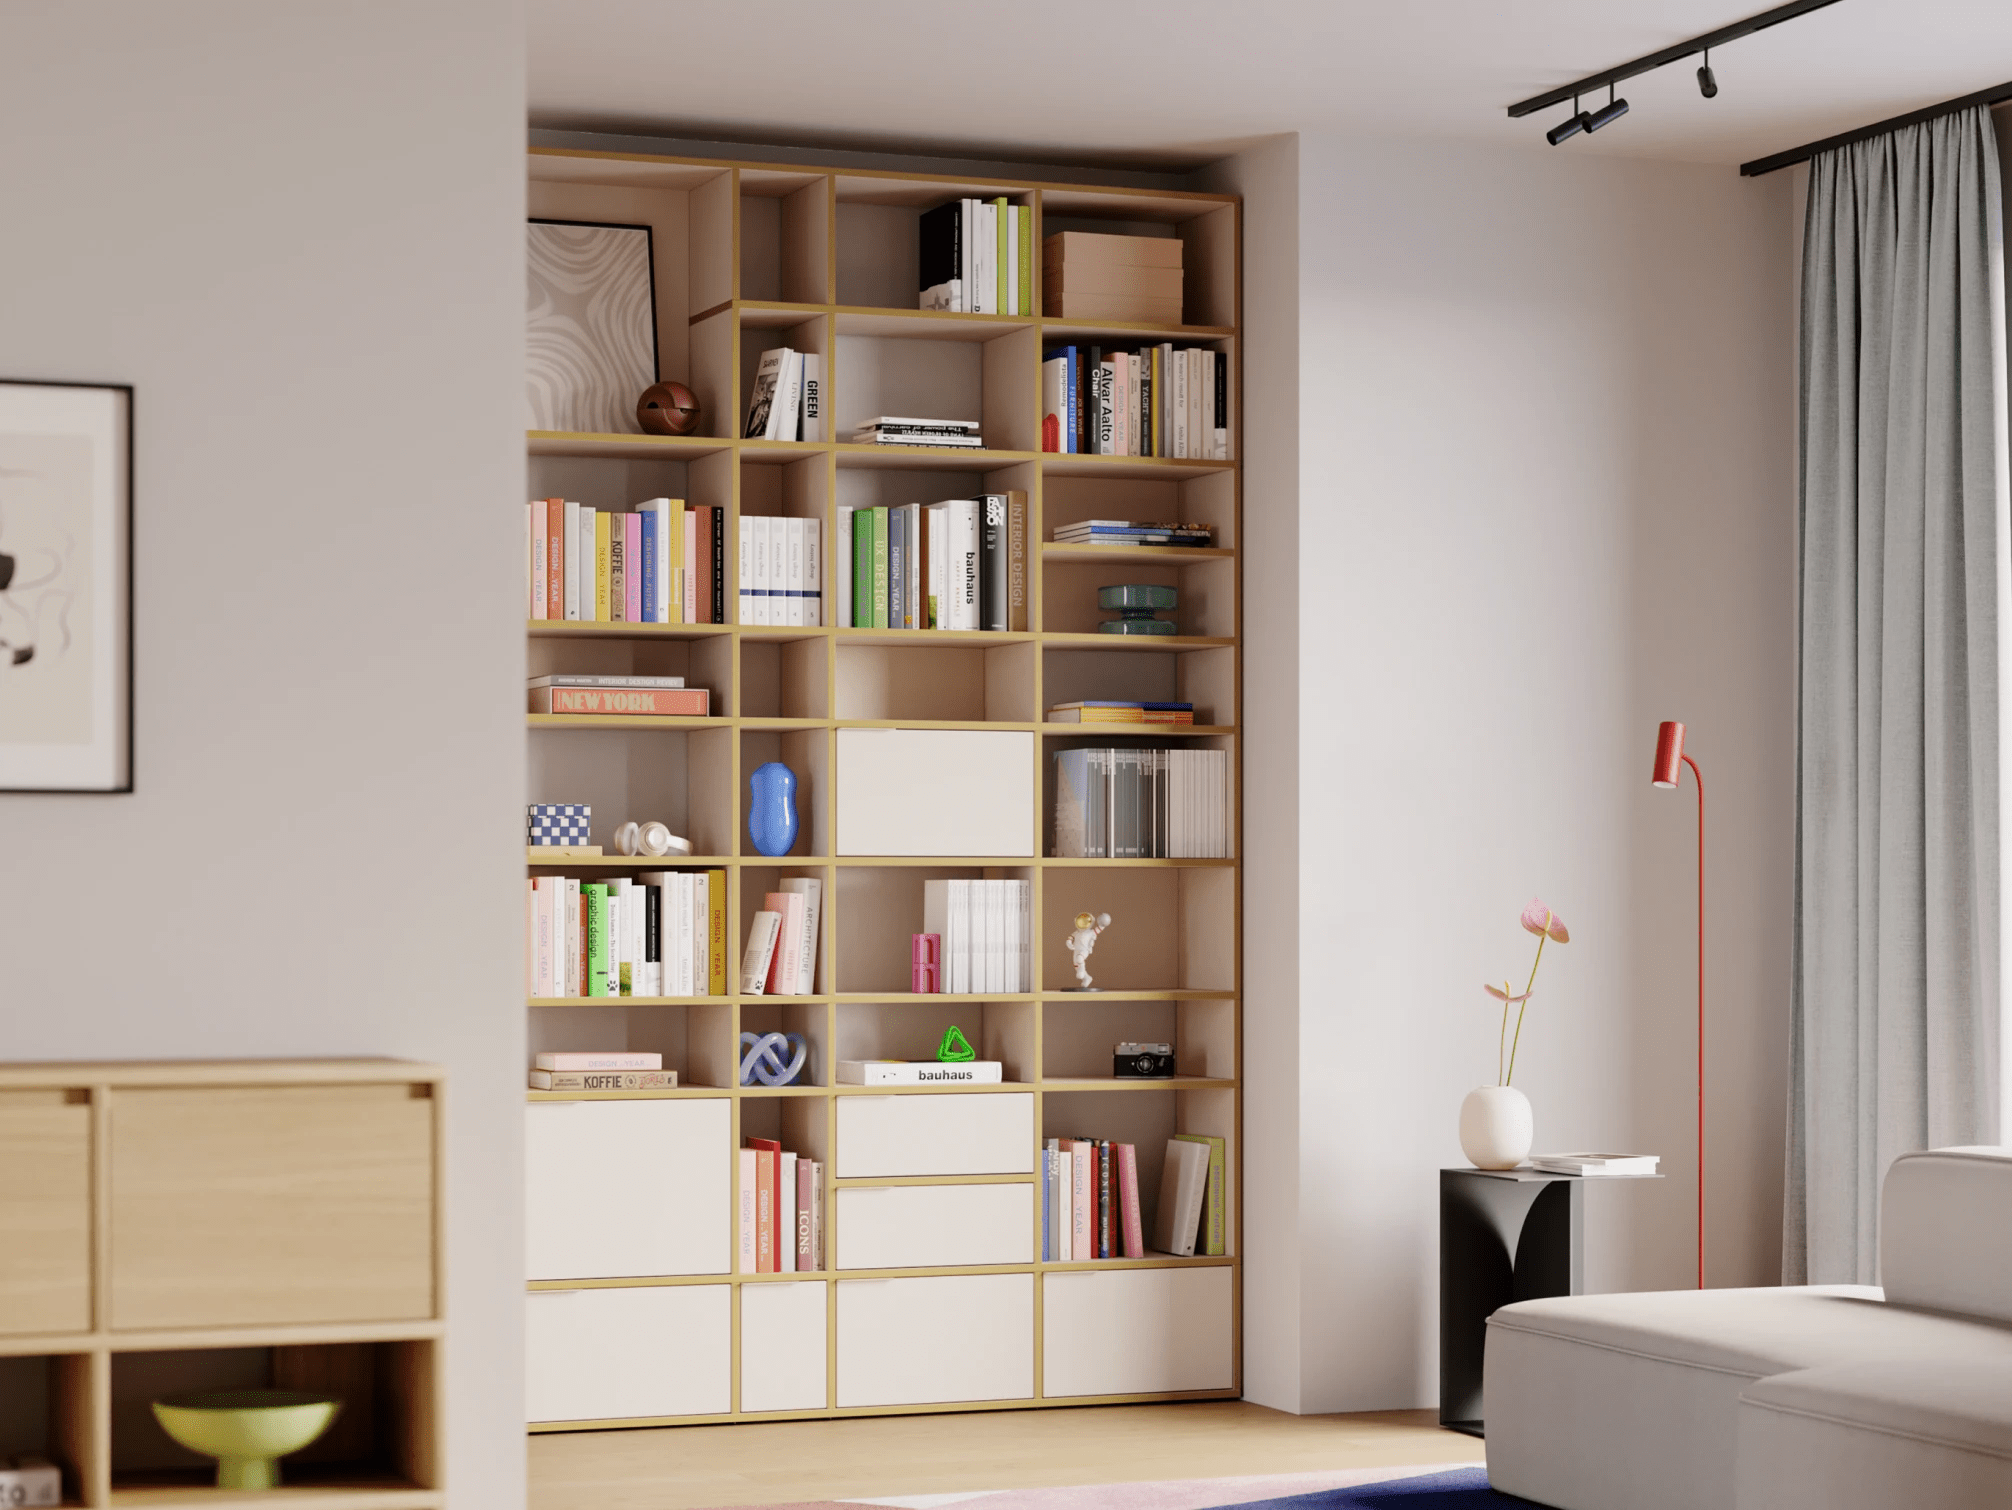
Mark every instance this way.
x=1179 y=82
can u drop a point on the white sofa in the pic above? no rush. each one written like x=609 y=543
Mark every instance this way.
x=1831 y=1396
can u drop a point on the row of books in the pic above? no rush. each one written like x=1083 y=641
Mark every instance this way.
x=781 y=954
x=960 y=564
x=787 y=401
x=1111 y=712
x=1142 y=804
x=976 y=256
x=591 y=1070
x=780 y=1227
x=1166 y=400
x=628 y=696
x=894 y=430
x=1090 y=1206
x=781 y=571
x=664 y=934
x=658 y=563
x=986 y=934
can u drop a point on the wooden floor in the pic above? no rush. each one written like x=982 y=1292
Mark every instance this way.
x=688 y=1467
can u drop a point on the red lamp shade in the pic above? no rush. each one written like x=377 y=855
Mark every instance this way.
x=1669 y=754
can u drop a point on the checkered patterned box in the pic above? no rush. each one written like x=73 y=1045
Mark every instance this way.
x=559 y=823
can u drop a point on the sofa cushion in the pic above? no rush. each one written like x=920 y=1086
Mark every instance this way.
x=1869 y=1436
x=1631 y=1402
x=1945 y=1231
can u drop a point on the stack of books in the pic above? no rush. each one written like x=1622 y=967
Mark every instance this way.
x=658 y=563
x=602 y=1070
x=781 y=571
x=787 y=402
x=1131 y=532
x=920 y=1072
x=960 y=564
x=1122 y=713
x=987 y=934
x=892 y=430
x=1090 y=1205
x=662 y=935
x=976 y=257
x=781 y=954
x=1087 y=276
x=781 y=1211
x=1164 y=401
x=628 y=696
x=1142 y=804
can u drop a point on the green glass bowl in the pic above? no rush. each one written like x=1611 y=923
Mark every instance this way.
x=246 y=1430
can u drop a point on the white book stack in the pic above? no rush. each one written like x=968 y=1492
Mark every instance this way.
x=781 y=571
x=1142 y=804
x=984 y=928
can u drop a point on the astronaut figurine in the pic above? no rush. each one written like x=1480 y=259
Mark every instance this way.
x=1082 y=941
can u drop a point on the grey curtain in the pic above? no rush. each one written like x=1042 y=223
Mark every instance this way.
x=1896 y=1006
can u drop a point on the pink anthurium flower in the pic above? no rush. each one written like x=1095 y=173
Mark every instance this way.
x=1539 y=919
x=1503 y=995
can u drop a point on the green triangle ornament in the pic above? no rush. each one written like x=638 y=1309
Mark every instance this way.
x=955 y=1048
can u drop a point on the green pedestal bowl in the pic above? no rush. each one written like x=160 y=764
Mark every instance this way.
x=246 y=1430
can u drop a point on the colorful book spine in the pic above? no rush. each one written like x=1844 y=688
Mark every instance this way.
x=596 y=894
x=1213 y=1224
x=657 y=702
x=1128 y=1201
x=744 y=1206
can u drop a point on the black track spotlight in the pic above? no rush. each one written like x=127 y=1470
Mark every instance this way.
x=1708 y=82
x=1570 y=126
x=1608 y=113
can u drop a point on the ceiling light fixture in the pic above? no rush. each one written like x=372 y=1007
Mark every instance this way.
x=1615 y=108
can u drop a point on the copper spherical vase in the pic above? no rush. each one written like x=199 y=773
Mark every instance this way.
x=668 y=409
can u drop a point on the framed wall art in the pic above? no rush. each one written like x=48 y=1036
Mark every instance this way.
x=591 y=344
x=66 y=587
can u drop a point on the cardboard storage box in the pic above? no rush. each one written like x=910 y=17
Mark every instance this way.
x=1086 y=276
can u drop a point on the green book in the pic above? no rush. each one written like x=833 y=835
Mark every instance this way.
x=880 y=566
x=596 y=983
x=1004 y=257
x=1212 y=1210
x=862 y=569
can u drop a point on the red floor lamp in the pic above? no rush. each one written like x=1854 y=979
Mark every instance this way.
x=1669 y=756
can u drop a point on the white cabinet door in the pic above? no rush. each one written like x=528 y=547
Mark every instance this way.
x=610 y=1355
x=616 y=1189
x=950 y=1134
x=928 y=1341
x=911 y=792
x=1135 y=1331
x=783 y=1335
x=934 y=1226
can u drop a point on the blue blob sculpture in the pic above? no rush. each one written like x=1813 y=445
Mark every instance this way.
x=763 y=1058
x=772 y=808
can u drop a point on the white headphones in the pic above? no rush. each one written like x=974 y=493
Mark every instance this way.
x=650 y=838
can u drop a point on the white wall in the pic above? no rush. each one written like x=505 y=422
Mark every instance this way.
x=1544 y=499
x=295 y=229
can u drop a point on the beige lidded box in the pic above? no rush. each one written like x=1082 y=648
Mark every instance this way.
x=1095 y=277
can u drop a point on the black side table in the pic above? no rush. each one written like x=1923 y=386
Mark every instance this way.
x=1504 y=1235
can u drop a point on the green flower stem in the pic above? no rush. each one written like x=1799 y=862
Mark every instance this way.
x=1542 y=939
x=1502 y=1038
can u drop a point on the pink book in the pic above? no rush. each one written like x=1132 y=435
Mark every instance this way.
x=745 y=1235
x=787 y=960
x=806 y=1177
x=691 y=569
x=612 y=1059
x=1128 y=1200
x=632 y=567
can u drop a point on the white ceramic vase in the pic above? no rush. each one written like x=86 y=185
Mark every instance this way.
x=1496 y=1127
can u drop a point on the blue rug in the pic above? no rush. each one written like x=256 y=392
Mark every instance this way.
x=1456 y=1489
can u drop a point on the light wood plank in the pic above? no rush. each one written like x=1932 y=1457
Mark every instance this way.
x=45 y=1182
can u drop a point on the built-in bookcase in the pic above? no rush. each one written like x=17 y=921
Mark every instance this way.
x=932 y=1203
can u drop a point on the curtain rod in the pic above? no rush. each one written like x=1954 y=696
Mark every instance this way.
x=1997 y=94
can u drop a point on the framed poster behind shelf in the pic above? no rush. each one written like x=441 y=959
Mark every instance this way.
x=591 y=338
x=66 y=587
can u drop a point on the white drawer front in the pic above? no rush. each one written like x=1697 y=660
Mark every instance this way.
x=1135 y=1331
x=950 y=1134
x=932 y=1226
x=605 y=1355
x=623 y=1188
x=908 y=792
x=783 y=1335
x=930 y=1341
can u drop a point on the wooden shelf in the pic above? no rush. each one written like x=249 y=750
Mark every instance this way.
x=361 y=1493
x=753 y=256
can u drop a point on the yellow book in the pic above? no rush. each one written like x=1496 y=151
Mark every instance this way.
x=673 y=520
x=716 y=930
x=602 y=566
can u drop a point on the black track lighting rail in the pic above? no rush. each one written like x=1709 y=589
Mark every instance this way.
x=1664 y=58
